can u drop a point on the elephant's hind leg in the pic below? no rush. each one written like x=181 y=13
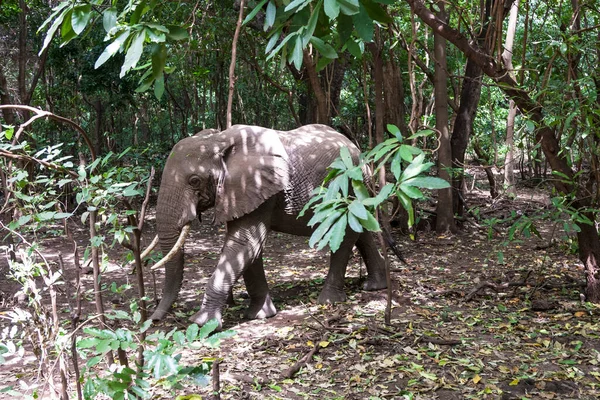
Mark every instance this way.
x=373 y=260
x=261 y=305
x=333 y=289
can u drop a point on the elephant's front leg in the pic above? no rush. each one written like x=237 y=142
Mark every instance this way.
x=261 y=305
x=243 y=246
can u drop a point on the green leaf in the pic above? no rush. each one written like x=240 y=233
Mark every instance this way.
x=356 y=49
x=376 y=12
x=354 y=223
x=109 y=18
x=159 y=89
x=338 y=231
x=255 y=11
x=270 y=15
x=312 y=24
x=427 y=182
x=349 y=7
x=370 y=223
x=412 y=192
x=332 y=9
x=55 y=25
x=394 y=130
x=177 y=32
x=299 y=4
x=360 y=190
x=323 y=48
x=112 y=48
x=346 y=157
x=80 y=17
x=364 y=25
x=159 y=59
x=323 y=227
x=134 y=52
x=358 y=209
x=208 y=328
x=396 y=165
x=191 y=332
x=296 y=55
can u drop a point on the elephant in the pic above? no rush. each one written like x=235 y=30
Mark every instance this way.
x=256 y=179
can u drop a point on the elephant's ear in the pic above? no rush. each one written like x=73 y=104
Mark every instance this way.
x=255 y=168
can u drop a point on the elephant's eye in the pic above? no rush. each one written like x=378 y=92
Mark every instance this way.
x=195 y=181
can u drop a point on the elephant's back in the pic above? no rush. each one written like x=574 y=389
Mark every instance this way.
x=311 y=149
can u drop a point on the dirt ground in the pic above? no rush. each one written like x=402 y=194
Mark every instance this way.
x=472 y=318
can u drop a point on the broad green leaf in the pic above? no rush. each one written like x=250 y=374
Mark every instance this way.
x=177 y=32
x=421 y=133
x=208 y=328
x=407 y=153
x=364 y=25
x=159 y=59
x=296 y=4
x=358 y=209
x=109 y=18
x=346 y=157
x=396 y=165
x=270 y=15
x=427 y=182
x=354 y=223
x=54 y=27
x=394 y=130
x=360 y=190
x=66 y=29
x=81 y=16
x=56 y=10
x=254 y=11
x=415 y=168
x=323 y=48
x=281 y=45
x=370 y=223
x=312 y=24
x=191 y=332
x=376 y=12
x=134 y=52
x=406 y=202
x=355 y=173
x=349 y=7
x=411 y=191
x=338 y=231
x=356 y=49
x=323 y=228
x=159 y=87
x=332 y=9
x=112 y=48
x=297 y=53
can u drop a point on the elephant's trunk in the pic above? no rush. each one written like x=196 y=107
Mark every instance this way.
x=171 y=239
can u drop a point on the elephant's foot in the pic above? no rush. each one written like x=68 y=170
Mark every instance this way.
x=375 y=283
x=261 y=309
x=203 y=316
x=331 y=295
x=158 y=315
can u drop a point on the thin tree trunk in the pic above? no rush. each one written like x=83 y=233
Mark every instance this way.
x=236 y=35
x=509 y=162
x=444 y=210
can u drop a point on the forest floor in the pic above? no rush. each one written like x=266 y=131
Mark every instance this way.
x=472 y=317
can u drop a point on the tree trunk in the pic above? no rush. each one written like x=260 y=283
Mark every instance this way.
x=236 y=35
x=445 y=214
x=509 y=163
x=463 y=130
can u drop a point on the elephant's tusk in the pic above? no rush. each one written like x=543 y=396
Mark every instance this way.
x=150 y=247
x=184 y=232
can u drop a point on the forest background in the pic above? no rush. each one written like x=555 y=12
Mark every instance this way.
x=508 y=87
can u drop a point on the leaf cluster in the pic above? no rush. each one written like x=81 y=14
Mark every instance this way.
x=348 y=199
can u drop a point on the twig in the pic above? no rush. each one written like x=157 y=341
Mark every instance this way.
x=497 y=287
x=216 y=381
x=293 y=370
